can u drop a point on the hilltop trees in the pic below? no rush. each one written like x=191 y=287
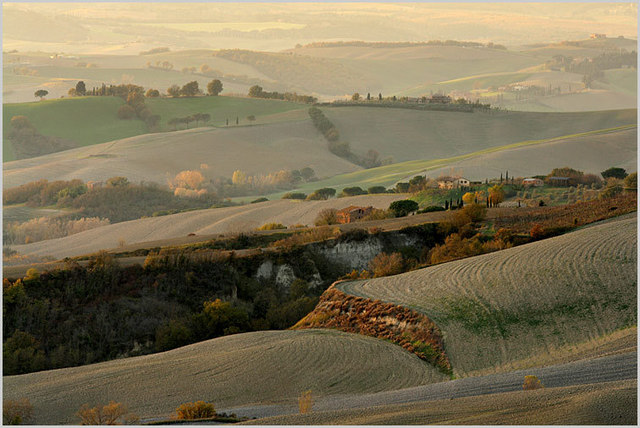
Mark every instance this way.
x=322 y=194
x=81 y=89
x=41 y=93
x=152 y=93
x=214 y=87
x=174 y=91
x=190 y=89
x=614 y=172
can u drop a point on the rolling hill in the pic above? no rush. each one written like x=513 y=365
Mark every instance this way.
x=92 y=120
x=258 y=149
x=523 y=303
x=269 y=367
x=411 y=134
x=598 y=150
x=202 y=222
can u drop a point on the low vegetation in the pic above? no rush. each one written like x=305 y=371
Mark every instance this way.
x=195 y=410
x=413 y=331
x=531 y=382
x=16 y=412
x=109 y=414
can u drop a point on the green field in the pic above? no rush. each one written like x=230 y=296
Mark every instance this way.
x=93 y=120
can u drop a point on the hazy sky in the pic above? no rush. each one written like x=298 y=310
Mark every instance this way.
x=124 y=27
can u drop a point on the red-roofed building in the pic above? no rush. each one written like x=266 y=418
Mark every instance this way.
x=352 y=213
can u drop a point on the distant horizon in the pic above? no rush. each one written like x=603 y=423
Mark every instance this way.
x=128 y=28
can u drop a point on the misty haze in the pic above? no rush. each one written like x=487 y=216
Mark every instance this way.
x=320 y=213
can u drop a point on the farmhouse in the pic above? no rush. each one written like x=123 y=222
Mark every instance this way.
x=452 y=182
x=535 y=182
x=440 y=99
x=559 y=181
x=352 y=213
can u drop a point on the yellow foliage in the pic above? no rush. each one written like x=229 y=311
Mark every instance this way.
x=387 y=264
x=305 y=402
x=189 y=179
x=531 y=382
x=32 y=274
x=197 y=410
x=238 y=177
x=110 y=414
x=468 y=197
x=16 y=412
x=272 y=226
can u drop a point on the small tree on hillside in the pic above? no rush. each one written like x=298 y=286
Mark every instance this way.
x=41 y=93
x=403 y=208
x=352 y=191
x=614 y=172
x=152 y=93
x=326 y=217
x=174 y=91
x=376 y=189
x=255 y=91
x=214 y=87
x=320 y=194
x=190 y=89
x=81 y=89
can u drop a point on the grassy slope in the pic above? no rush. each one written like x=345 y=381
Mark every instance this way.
x=412 y=134
x=526 y=301
x=259 y=149
x=503 y=156
x=243 y=369
x=92 y=120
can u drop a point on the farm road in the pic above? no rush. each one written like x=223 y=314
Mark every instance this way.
x=605 y=369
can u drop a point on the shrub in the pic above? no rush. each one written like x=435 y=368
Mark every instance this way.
x=403 y=207
x=305 y=402
x=352 y=191
x=377 y=214
x=110 y=414
x=455 y=247
x=16 y=412
x=126 y=112
x=376 y=189
x=326 y=216
x=531 y=382
x=197 y=410
x=387 y=264
x=259 y=200
x=476 y=212
x=612 y=190
x=631 y=181
x=536 y=232
x=272 y=226
x=431 y=208
x=294 y=195
x=614 y=172
x=322 y=194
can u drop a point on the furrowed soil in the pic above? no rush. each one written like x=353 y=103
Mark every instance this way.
x=266 y=367
x=523 y=302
